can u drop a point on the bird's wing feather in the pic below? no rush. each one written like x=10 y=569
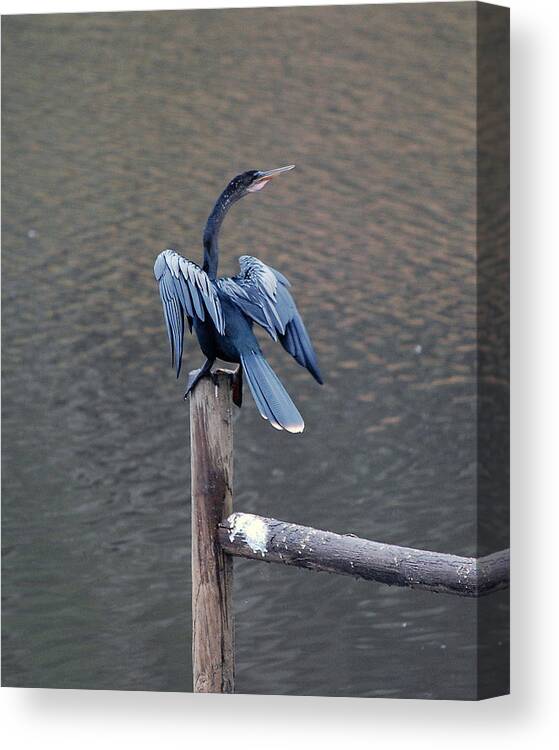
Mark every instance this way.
x=186 y=291
x=263 y=294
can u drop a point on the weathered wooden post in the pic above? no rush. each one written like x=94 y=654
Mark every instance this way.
x=211 y=441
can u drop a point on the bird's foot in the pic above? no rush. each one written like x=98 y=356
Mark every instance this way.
x=193 y=378
x=195 y=375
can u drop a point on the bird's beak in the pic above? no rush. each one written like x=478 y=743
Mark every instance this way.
x=264 y=177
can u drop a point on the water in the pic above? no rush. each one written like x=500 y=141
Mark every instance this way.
x=119 y=131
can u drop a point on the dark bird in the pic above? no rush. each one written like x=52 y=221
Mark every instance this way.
x=222 y=311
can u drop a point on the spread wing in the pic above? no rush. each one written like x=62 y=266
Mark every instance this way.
x=186 y=291
x=263 y=294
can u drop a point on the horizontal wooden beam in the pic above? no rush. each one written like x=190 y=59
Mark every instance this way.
x=270 y=540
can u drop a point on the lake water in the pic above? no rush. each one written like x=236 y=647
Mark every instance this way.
x=119 y=131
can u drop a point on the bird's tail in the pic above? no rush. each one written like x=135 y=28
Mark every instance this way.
x=272 y=400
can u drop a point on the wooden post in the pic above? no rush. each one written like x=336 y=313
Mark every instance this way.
x=211 y=445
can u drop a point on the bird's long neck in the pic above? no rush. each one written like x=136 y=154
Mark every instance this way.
x=211 y=250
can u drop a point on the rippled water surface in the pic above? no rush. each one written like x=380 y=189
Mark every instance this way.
x=119 y=131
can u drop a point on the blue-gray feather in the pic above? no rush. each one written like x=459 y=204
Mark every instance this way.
x=272 y=400
x=263 y=294
x=187 y=292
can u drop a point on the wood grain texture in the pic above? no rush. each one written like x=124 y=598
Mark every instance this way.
x=211 y=438
x=271 y=540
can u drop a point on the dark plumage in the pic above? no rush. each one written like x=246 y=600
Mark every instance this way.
x=223 y=311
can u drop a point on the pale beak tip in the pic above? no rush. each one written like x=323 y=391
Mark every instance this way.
x=279 y=170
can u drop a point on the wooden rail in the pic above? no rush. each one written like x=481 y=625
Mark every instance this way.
x=218 y=535
x=270 y=540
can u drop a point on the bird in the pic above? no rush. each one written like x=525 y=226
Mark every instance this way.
x=222 y=311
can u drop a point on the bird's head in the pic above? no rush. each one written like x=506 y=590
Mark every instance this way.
x=241 y=185
x=255 y=179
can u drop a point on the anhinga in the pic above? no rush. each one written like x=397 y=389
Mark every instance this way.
x=222 y=311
